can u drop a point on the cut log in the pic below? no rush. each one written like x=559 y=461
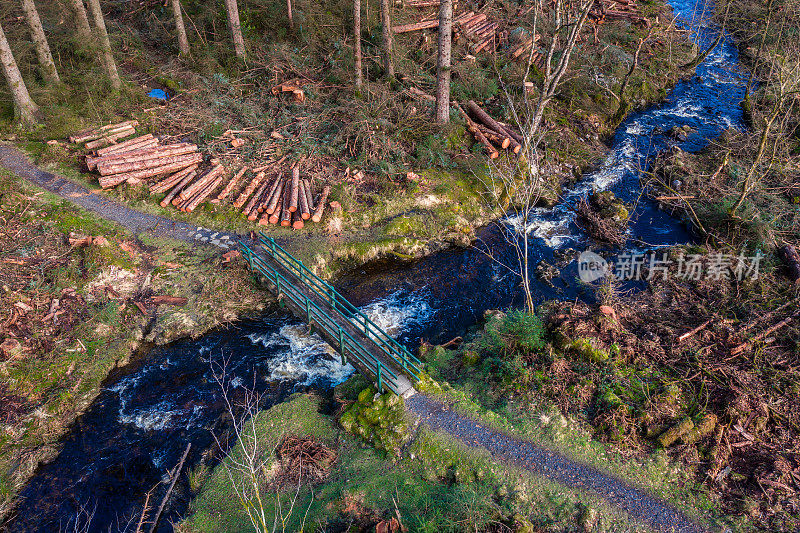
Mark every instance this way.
x=295 y=189
x=501 y=140
x=309 y=197
x=426 y=25
x=276 y=200
x=470 y=24
x=178 y=188
x=96 y=133
x=148 y=159
x=792 y=259
x=305 y=213
x=487 y=120
x=126 y=144
x=92 y=162
x=486 y=31
x=200 y=184
x=275 y=215
x=483 y=44
x=251 y=209
x=110 y=138
x=320 y=209
x=479 y=136
x=116 y=179
x=183 y=205
x=201 y=197
x=171 y=181
x=269 y=193
x=250 y=189
x=297 y=220
x=232 y=184
x=286 y=215
x=522 y=48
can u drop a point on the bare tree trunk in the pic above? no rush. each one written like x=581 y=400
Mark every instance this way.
x=443 y=62
x=235 y=26
x=289 y=12
x=183 y=41
x=82 y=20
x=24 y=108
x=105 y=44
x=40 y=43
x=386 y=22
x=357 y=42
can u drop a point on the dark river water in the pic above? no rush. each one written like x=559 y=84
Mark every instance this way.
x=141 y=422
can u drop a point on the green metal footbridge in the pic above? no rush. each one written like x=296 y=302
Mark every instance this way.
x=357 y=338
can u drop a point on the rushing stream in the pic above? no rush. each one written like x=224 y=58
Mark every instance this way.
x=140 y=424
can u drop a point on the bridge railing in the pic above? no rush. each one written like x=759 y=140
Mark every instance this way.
x=394 y=350
x=348 y=346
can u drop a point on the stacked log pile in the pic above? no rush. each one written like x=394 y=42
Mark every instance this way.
x=282 y=199
x=135 y=160
x=492 y=134
x=604 y=10
x=523 y=51
x=177 y=171
x=476 y=28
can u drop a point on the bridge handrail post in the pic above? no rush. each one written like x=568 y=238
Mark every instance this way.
x=341 y=345
x=380 y=377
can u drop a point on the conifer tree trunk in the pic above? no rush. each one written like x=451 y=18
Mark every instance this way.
x=82 y=20
x=289 y=12
x=357 y=42
x=180 y=29
x=235 y=26
x=40 y=43
x=443 y=62
x=24 y=108
x=108 y=56
x=386 y=22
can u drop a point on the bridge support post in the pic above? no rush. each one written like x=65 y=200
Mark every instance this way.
x=341 y=346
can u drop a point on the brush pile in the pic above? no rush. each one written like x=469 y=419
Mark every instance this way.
x=284 y=200
x=492 y=134
x=304 y=460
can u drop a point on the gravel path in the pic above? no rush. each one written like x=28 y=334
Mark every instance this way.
x=660 y=515
x=135 y=221
x=552 y=465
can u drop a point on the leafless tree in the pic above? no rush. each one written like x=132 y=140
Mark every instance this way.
x=567 y=20
x=40 y=43
x=443 y=62
x=105 y=44
x=246 y=463
x=180 y=29
x=24 y=108
x=235 y=26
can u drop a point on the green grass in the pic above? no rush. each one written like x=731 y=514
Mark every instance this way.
x=439 y=485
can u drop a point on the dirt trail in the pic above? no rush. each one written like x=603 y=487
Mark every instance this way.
x=660 y=515
x=133 y=220
x=637 y=503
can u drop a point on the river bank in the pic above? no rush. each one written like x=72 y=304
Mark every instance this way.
x=82 y=297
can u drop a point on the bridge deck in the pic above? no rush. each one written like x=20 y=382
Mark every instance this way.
x=357 y=339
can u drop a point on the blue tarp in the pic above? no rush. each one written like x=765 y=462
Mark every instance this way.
x=159 y=94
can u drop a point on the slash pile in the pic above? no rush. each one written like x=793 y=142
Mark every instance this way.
x=603 y=10
x=491 y=133
x=282 y=199
x=476 y=28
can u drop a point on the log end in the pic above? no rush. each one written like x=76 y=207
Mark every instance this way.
x=298 y=224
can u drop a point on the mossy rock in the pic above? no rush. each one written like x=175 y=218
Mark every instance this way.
x=587 y=349
x=379 y=419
